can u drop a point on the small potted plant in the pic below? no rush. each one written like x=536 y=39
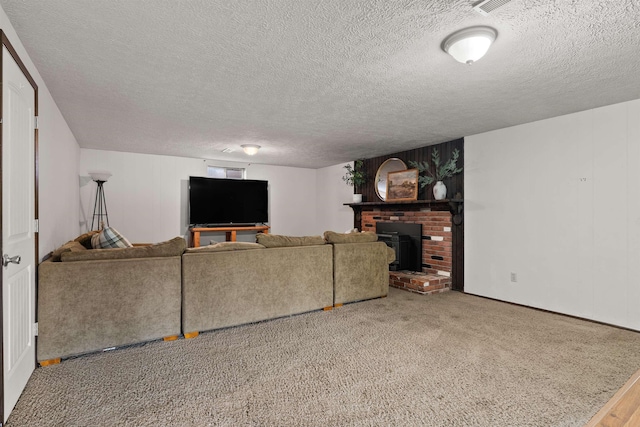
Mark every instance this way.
x=438 y=173
x=355 y=177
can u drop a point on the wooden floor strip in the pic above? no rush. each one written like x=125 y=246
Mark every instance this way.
x=623 y=409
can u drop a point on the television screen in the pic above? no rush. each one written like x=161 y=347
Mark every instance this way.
x=214 y=201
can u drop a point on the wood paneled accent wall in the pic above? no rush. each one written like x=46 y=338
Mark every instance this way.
x=454 y=184
x=455 y=189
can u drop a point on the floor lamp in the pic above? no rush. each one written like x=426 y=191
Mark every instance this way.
x=100 y=205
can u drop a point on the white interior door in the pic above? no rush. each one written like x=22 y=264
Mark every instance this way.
x=18 y=238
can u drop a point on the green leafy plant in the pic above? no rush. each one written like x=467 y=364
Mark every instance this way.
x=355 y=175
x=429 y=174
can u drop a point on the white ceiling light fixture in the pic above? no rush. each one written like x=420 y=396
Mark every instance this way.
x=469 y=44
x=250 y=149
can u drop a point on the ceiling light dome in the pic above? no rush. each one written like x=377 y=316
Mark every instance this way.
x=250 y=149
x=469 y=44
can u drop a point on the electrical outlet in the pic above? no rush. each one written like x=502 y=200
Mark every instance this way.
x=514 y=277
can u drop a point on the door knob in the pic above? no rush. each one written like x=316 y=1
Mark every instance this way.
x=6 y=259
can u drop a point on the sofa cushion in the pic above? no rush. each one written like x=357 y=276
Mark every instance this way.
x=276 y=241
x=109 y=238
x=173 y=247
x=364 y=237
x=71 y=246
x=85 y=239
x=227 y=246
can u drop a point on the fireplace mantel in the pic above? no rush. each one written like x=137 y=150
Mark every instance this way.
x=452 y=205
x=407 y=202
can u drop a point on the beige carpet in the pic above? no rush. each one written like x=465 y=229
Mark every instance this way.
x=406 y=360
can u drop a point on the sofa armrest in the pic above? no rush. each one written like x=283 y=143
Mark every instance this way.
x=360 y=271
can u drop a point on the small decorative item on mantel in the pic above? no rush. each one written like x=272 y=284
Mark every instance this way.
x=355 y=177
x=447 y=170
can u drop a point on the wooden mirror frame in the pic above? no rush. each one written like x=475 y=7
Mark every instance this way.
x=390 y=165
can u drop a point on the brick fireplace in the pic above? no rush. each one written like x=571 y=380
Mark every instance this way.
x=434 y=274
x=442 y=220
x=436 y=234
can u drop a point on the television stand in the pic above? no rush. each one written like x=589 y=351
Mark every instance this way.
x=230 y=232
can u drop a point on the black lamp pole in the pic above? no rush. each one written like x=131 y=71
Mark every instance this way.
x=100 y=207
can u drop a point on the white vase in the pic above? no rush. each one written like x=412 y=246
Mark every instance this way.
x=440 y=191
x=357 y=198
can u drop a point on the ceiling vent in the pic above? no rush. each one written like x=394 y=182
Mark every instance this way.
x=485 y=7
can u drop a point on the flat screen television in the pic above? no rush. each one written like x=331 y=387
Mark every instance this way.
x=216 y=201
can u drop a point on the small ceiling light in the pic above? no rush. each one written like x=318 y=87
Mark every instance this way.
x=469 y=44
x=250 y=149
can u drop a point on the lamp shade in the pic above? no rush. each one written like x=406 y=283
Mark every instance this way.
x=470 y=44
x=250 y=149
x=100 y=176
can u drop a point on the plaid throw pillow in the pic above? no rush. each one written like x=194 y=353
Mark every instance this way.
x=109 y=238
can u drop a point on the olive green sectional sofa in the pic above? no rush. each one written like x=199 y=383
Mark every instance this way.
x=90 y=300
x=233 y=287
x=231 y=284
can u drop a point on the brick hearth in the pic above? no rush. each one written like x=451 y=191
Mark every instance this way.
x=420 y=283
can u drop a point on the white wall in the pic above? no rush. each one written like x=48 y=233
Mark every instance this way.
x=58 y=161
x=332 y=193
x=292 y=198
x=147 y=194
x=558 y=203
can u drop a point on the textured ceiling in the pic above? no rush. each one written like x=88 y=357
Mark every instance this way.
x=317 y=83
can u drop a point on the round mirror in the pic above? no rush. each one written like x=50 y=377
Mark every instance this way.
x=389 y=165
